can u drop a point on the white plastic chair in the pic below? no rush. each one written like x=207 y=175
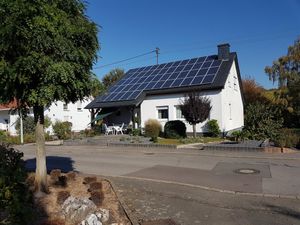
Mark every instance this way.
x=108 y=130
x=119 y=129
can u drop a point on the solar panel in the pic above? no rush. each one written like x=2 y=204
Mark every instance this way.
x=190 y=72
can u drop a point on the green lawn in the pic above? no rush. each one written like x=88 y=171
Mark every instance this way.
x=190 y=140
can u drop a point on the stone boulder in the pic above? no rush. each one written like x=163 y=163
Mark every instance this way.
x=76 y=210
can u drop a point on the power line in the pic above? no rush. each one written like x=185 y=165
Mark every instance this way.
x=124 y=60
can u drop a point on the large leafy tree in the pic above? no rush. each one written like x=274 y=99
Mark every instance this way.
x=195 y=109
x=286 y=71
x=112 y=77
x=47 y=49
x=253 y=92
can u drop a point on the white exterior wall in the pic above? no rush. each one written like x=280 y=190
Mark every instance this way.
x=79 y=118
x=150 y=104
x=232 y=103
x=229 y=117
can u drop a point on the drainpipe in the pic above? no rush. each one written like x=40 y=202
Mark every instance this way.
x=21 y=129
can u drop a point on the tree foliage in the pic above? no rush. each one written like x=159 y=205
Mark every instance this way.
x=112 y=77
x=253 y=92
x=47 y=49
x=97 y=87
x=286 y=70
x=195 y=109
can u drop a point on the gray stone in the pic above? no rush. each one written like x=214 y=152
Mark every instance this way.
x=75 y=210
x=103 y=215
x=92 y=219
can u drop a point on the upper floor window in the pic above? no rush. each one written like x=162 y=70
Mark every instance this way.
x=163 y=112
x=79 y=106
x=65 y=107
x=235 y=83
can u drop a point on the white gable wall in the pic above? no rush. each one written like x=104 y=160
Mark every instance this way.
x=232 y=103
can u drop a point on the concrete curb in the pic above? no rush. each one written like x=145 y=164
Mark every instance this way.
x=133 y=219
x=265 y=195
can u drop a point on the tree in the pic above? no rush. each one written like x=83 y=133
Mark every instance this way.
x=112 y=77
x=253 y=92
x=286 y=70
x=97 y=87
x=195 y=109
x=47 y=49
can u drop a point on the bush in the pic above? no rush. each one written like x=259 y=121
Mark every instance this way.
x=175 y=129
x=97 y=197
x=29 y=124
x=287 y=139
x=15 y=199
x=262 y=122
x=152 y=129
x=135 y=132
x=62 y=129
x=237 y=135
x=213 y=128
x=62 y=197
x=95 y=186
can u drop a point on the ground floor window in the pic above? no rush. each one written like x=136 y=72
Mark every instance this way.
x=163 y=112
x=178 y=112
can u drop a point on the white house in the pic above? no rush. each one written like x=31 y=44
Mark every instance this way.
x=72 y=112
x=155 y=92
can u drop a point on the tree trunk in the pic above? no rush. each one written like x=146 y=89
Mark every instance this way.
x=194 y=130
x=41 y=169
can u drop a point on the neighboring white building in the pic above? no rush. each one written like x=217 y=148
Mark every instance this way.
x=72 y=112
x=155 y=92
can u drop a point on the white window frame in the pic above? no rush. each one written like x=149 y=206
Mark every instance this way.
x=235 y=83
x=79 y=106
x=65 y=107
x=162 y=108
x=177 y=107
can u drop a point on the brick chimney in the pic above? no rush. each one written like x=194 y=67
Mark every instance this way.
x=224 y=51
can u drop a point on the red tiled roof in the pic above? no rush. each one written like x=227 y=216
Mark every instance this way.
x=12 y=104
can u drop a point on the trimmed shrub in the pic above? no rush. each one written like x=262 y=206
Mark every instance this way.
x=213 y=128
x=29 y=124
x=152 y=129
x=15 y=199
x=236 y=135
x=62 y=129
x=175 y=129
x=97 y=197
x=95 y=186
x=62 y=197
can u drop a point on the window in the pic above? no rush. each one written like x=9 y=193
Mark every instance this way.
x=178 y=113
x=79 y=106
x=235 y=83
x=65 y=107
x=163 y=112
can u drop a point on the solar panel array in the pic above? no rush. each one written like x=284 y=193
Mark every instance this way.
x=196 y=71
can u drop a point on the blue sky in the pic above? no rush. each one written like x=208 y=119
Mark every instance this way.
x=259 y=31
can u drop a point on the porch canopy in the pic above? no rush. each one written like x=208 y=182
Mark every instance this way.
x=101 y=115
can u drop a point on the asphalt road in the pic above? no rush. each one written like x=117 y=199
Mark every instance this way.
x=169 y=184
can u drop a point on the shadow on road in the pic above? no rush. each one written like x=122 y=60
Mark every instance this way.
x=65 y=164
x=284 y=211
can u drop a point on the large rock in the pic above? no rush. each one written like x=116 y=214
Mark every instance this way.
x=103 y=215
x=77 y=209
x=92 y=219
